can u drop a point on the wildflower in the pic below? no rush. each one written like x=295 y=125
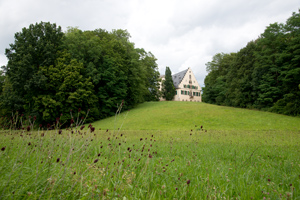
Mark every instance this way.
x=57 y=160
x=188 y=182
x=99 y=154
x=60 y=131
x=269 y=180
x=72 y=121
x=92 y=129
x=141 y=139
x=28 y=128
x=79 y=109
x=95 y=160
x=3 y=148
x=82 y=127
x=29 y=144
x=40 y=125
x=150 y=156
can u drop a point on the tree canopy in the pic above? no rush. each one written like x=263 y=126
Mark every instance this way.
x=50 y=73
x=263 y=75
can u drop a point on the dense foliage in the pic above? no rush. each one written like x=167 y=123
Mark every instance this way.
x=168 y=89
x=263 y=75
x=50 y=73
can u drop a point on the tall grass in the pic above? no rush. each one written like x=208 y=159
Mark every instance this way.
x=196 y=163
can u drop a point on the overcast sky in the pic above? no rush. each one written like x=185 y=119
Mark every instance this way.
x=180 y=34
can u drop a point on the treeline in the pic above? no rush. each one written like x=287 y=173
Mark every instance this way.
x=49 y=73
x=263 y=75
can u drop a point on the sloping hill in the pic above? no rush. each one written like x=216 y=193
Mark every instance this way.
x=187 y=115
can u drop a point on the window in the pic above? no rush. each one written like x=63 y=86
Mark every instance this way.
x=181 y=91
x=188 y=92
x=185 y=92
x=190 y=76
x=184 y=86
x=188 y=86
x=176 y=92
x=193 y=93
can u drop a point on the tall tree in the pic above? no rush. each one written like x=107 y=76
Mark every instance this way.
x=148 y=61
x=168 y=89
x=264 y=75
x=49 y=72
x=34 y=47
x=67 y=89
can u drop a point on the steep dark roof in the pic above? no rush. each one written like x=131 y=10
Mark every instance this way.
x=177 y=78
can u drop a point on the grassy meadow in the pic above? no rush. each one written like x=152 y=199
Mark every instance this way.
x=185 y=115
x=163 y=150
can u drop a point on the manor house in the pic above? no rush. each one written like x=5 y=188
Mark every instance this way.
x=186 y=85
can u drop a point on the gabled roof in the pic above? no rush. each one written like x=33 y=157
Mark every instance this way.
x=177 y=78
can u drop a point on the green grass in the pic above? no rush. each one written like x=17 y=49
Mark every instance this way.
x=240 y=154
x=185 y=115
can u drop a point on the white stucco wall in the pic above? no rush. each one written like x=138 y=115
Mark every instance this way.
x=183 y=92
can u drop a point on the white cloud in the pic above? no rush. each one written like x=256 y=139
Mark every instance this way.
x=180 y=34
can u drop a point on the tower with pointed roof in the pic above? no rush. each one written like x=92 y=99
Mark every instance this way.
x=187 y=87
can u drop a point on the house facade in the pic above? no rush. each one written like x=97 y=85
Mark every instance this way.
x=186 y=85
